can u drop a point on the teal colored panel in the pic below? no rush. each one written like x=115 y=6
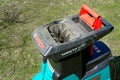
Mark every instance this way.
x=101 y=75
x=71 y=77
x=45 y=73
x=48 y=73
x=40 y=75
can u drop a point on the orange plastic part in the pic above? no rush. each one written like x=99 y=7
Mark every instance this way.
x=90 y=17
x=39 y=42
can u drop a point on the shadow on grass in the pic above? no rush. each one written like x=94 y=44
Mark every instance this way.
x=117 y=62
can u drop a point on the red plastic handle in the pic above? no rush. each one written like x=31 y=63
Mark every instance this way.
x=90 y=17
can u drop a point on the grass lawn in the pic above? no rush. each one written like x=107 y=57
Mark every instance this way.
x=19 y=60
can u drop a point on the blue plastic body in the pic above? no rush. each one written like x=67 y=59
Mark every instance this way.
x=103 y=74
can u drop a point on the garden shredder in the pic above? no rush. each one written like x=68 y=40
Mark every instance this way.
x=71 y=50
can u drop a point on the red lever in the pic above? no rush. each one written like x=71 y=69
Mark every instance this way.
x=90 y=17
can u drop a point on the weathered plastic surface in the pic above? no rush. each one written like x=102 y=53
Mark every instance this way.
x=48 y=47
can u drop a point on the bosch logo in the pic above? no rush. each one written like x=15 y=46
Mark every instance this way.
x=39 y=41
